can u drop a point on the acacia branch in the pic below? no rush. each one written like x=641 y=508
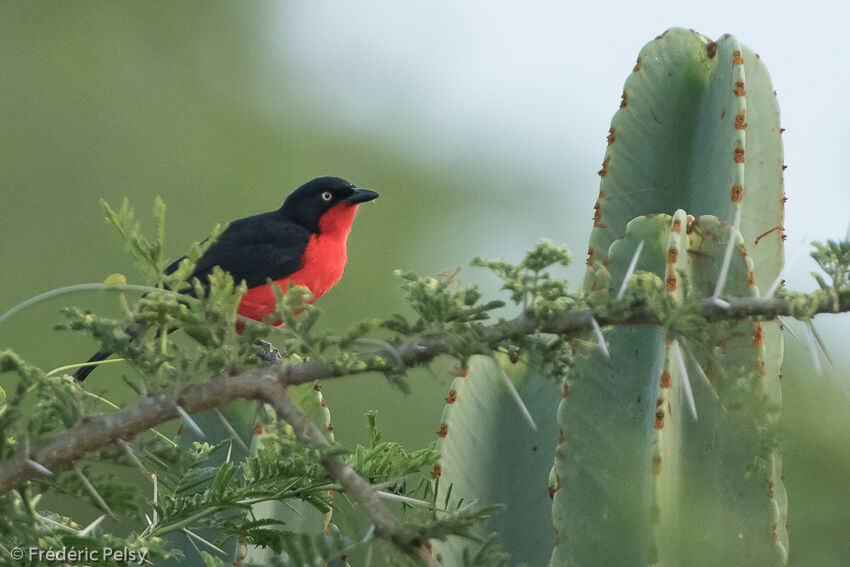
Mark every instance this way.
x=93 y=433
x=268 y=384
x=263 y=384
x=387 y=526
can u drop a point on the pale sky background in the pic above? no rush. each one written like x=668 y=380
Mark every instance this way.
x=527 y=90
x=531 y=88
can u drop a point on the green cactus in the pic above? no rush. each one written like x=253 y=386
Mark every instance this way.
x=666 y=451
x=673 y=486
x=491 y=453
x=698 y=129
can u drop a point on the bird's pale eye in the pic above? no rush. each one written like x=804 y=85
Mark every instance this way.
x=327 y=196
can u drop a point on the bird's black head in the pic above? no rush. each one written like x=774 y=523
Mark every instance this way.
x=308 y=203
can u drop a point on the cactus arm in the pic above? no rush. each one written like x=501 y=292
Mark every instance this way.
x=490 y=455
x=698 y=121
x=640 y=480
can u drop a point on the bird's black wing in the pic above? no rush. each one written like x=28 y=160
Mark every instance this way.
x=254 y=249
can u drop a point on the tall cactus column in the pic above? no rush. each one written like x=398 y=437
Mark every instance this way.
x=640 y=480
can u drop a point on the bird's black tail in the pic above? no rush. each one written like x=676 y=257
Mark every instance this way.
x=84 y=371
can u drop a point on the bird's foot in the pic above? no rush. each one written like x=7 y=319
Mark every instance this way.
x=268 y=352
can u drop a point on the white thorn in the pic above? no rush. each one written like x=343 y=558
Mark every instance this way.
x=194 y=545
x=368 y=560
x=133 y=456
x=95 y=494
x=47 y=520
x=822 y=346
x=39 y=467
x=189 y=421
x=781 y=275
x=630 y=271
x=468 y=506
x=148 y=518
x=230 y=429
x=686 y=383
x=727 y=256
x=400 y=498
x=842 y=382
x=701 y=372
x=717 y=302
x=90 y=487
x=5 y=550
x=91 y=526
x=370 y=534
x=202 y=540
x=155 y=497
x=229 y=452
x=515 y=394
x=600 y=338
x=813 y=350
x=794 y=335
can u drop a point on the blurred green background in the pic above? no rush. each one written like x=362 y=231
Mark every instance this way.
x=223 y=108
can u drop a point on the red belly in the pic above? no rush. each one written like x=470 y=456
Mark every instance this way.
x=321 y=268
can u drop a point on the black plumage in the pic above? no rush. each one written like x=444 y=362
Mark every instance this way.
x=268 y=245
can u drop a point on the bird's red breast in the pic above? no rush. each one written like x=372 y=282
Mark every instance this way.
x=322 y=264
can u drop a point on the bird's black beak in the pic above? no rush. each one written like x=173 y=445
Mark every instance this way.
x=361 y=196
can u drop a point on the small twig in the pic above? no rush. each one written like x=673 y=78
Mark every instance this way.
x=82 y=287
x=61 y=369
x=387 y=526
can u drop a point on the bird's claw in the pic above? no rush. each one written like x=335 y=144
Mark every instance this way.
x=268 y=352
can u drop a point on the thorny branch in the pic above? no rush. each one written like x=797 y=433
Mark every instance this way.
x=268 y=384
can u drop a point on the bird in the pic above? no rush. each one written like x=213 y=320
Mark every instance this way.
x=304 y=242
